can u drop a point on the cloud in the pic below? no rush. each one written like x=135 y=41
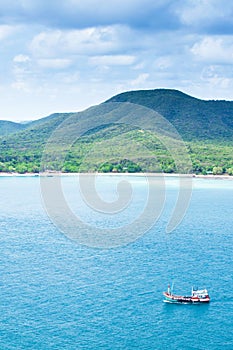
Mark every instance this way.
x=89 y=41
x=111 y=60
x=214 y=50
x=21 y=59
x=212 y=16
x=140 y=80
x=46 y=45
x=90 y=13
x=55 y=63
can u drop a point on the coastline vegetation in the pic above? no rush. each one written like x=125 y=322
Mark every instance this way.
x=123 y=148
x=104 y=151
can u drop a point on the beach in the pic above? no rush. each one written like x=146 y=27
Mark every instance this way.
x=209 y=176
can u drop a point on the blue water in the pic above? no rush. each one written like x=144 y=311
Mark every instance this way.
x=57 y=294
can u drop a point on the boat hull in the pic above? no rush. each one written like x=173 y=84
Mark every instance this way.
x=176 y=299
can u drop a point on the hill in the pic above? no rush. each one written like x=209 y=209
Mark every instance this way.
x=7 y=127
x=194 y=119
x=126 y=133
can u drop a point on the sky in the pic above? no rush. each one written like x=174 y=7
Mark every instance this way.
x=68 y=55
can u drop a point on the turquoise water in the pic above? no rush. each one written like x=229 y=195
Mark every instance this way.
x=57 y=294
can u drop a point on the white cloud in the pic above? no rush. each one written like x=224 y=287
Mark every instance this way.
x=21 y=59
x=214 y=76
x=140 y=80
x=112 y=60
x=90 y=41
x=21 y=73
x=54 y=63
x=196 y=11
x=138 y=43
x=139 y=66
x=211 y=16
x=214 y=49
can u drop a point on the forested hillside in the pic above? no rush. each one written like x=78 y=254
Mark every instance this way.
x=106 y=140
x=195 y=119
x=7 y=128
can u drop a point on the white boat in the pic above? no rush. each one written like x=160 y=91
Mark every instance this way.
x=197 y=296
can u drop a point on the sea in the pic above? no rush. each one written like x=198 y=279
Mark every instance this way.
x=59 y=292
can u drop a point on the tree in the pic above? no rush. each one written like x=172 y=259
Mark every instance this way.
x=106 y=168
x=217 y=170
x=21 y=168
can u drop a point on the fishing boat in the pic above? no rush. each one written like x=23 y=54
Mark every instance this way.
x=197 y=296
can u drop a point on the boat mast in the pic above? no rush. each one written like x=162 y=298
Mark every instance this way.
x=172 y=287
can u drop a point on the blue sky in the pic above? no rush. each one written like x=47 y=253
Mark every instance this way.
x=67 y=55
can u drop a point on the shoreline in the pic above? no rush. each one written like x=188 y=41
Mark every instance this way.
x=51 y=174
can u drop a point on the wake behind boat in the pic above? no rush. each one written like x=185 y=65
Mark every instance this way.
x=197 y=296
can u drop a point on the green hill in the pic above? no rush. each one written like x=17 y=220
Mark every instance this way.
x=194 y=119
x=126 y=133
x=7 y=127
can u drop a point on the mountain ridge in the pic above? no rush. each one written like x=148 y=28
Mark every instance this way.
x=206 y=126
x=7 y=127
x=170 y=104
